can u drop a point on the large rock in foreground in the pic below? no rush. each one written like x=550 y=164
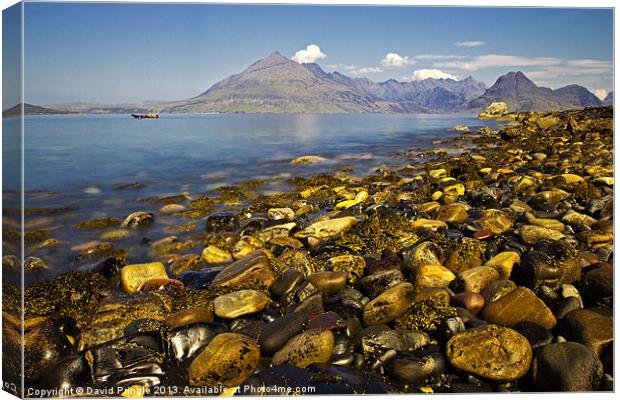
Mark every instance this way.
x=566 y=367
x=228 y=360
x=492 y=352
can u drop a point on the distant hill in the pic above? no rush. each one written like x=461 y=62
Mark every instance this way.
x=609 y=99
x=521 y=94
x=30 y=109
x=276 y=84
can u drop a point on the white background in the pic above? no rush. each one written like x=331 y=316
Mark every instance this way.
x=478 y=3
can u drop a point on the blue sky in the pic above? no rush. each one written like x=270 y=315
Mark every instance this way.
x=115 y=53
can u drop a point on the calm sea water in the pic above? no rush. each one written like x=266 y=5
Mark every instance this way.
x=77 y=151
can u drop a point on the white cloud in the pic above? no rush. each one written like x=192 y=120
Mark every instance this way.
x=310 y=54
x=497 y=60
x=600 y=93
x=355 y=69
x=421 y=74
x=439 y=57
x=470 y=43
x=396 y=60
x=364 y=70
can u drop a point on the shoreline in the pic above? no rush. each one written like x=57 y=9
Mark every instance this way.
x=446 y=243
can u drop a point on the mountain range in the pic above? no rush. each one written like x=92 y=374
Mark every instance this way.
x=30 y=109
x=277 y=84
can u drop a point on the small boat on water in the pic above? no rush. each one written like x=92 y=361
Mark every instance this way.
x=147 y=115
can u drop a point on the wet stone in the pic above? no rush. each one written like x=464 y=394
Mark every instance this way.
x=353 y=265
x=521 y=304
x=11 y=263
x=162 y=284
x=286 y=283
x=566 y=367
x=228 y=360
x=138 y=219
x=589 y=327
x=215 y=255
x=473 y=302
x=433 y=276
x=198 y=280
x=186 y=262
x=329 y=282
x=134 y=276
x=110 y=267
x=275 y=334
x=415 y=367
x=391 y=304
x=537 y=335
x=327 y=320
x=388 y=261
x=311 y=346
x=189 y=316
x=311 y=306
x=482 y=235
x=220 y=222
x=251 y=328
x=34 y=265
x=326 y=379
x=598 y=284
x=477 y=351
x=550 y=263
x=255 y=267
x=380 y=281
x=565 y=306
x=241 y=302
x=475 y=279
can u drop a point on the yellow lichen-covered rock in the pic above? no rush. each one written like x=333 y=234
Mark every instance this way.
x=228 y=360
x=494 y=111
x=327 y=229
x=455 y=212
x=423 y=253
x=495 y=221
x=353 y=265
x=531 y=234
x=457 y=188
x=134 y=276
x=492 y=352
x=246 y=246
x=429 y=208
x=526 y=185
x=311 y=346
x=116 y=234
x=241 y=302
x=275 y=232
x=518 y=305
x=548 y=223
x=438 y=173
x=429 y=224
x=360 y=197
x=253 y=268
x=575 y=219
x=277 y=214
x=308 y=160
x=214 y=255
x=476 y=279
x=171 y=208
x=389 y=305
x=433 y=276
x=504 y=263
